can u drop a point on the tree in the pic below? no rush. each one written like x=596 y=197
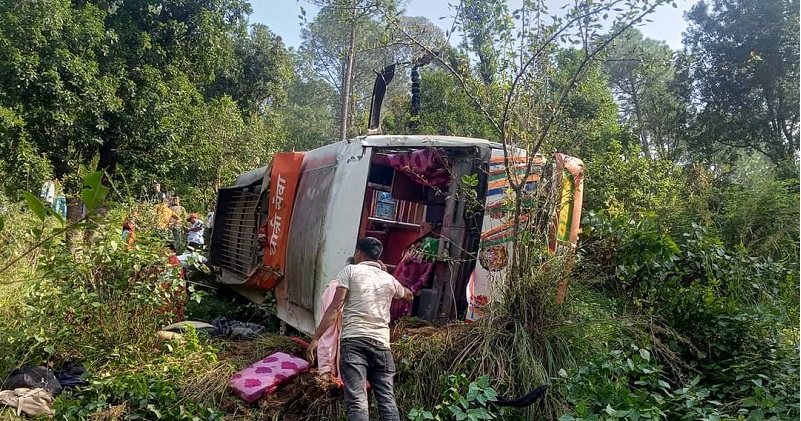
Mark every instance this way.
x=745 y=73
x=641 y=75
x=222 y=145
x=446 y=110
x=258 y=72
x=22 y=167
x=333 y=50
x=310 y=114
x=122 y=85
x=367 y=46
x=485 y=25
x=50 y=76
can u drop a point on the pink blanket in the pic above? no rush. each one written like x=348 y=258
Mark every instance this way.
x=265 y=376
x=425 y=166
x=413 y=272
x=328 y=345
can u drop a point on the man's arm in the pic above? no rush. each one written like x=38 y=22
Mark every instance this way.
x=195 y=228
x=329 y=318
x=330 y=315
x=402 y=292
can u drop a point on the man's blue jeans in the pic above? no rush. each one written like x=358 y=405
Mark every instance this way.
x=363 y=360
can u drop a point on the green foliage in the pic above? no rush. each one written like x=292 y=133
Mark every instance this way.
x=22 y=167
x=744 y=69
x=447 y=110
x=77 y=308
x=463 y=401
x=223 y=145
x=630 y=385
x=760 y=211
x=588 y=117
x=641 y=75
x=94 y=84
x=623 y=182
x=151 y=393
x=734 y=311
x=486 y=24
x=309 y=116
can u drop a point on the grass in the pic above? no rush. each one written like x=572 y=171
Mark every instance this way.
x=525 y=340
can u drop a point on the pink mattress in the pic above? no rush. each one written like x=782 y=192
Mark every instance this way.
x=265 y=376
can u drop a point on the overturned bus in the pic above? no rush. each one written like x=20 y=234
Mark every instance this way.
x=436 y=202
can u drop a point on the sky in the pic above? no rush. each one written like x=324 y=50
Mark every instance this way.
x=281 y=16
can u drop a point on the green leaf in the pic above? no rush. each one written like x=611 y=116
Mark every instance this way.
x=36 y=206
x=58 y=216
x=94 y=195
x=645 y=354
x=50 y=350
x=756 y=415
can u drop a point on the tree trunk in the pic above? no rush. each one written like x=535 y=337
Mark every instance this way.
x=347 y=75
x=638 y=112
x=74 y=214
x=107 y=162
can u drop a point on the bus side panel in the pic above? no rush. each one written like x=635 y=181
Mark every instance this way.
x=324 y=229
x=342 y=217
x=295 y=294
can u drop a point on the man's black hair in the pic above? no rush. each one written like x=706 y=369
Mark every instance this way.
x=371 y=247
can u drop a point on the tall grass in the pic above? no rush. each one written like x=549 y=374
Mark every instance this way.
x=526 y=338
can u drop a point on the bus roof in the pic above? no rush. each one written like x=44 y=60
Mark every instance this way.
x=416 y=141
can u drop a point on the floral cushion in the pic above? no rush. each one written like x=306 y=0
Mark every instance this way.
x=265 y=376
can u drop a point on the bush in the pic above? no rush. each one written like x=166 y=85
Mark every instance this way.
x=630 y=385
x=734 y=311
x=150 y=392
x=463 y=401
x=99 y=302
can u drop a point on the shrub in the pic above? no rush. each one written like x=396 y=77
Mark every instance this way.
x=150 y=392
x=98 y=302
x=463 y=401
x=629 y=384
x=735 y=310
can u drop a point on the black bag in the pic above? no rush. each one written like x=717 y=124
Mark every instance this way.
x=71 y=375
x=33 y=378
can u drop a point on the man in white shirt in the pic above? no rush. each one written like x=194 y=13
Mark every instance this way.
x=194 y=236
x=364 y=294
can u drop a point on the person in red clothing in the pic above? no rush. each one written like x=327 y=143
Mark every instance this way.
x=129 y=233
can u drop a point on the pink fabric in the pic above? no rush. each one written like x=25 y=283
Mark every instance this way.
x=424 y=166
x=328 y=344
x=412 y=272
x=265 y=376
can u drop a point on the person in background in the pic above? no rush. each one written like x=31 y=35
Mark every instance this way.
x=61 y=206
x=48 y=192
x=177 y=209
x=364 y=293
x=194 y=236
x=158 y=195
x=129 y=230
x=210 y=214
x=176 y=224
x=164 y=218
x=210 y=221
